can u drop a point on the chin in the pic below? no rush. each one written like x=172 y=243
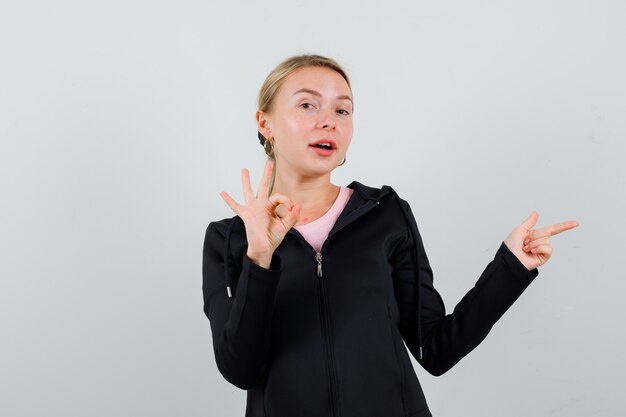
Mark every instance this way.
x=319 y=170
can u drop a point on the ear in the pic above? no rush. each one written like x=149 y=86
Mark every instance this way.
x=263 y=124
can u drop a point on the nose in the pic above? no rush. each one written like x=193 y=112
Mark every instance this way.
x=327 y=120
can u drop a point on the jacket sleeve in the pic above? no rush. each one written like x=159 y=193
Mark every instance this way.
x=447 y=338
x=240 y=326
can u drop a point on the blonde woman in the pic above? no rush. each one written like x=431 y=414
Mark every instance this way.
x=313 y=288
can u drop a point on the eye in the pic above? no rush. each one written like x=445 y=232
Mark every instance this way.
x=306 y=106
x=343 y=112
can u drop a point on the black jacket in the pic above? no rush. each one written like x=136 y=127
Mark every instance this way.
x=322 y=334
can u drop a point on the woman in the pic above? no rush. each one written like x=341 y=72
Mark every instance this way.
x=312 y=288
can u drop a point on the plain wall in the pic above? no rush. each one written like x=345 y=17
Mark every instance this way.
x=121 y=121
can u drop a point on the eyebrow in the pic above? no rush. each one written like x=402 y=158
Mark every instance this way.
x=315 y=93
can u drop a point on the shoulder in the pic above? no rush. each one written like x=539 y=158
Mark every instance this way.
x=385 y=193
x=220 y=230
x=221 y=226
x=395 y=211
x=369 y=193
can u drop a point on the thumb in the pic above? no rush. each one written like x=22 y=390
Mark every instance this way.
x=530 y=221
x=292 y=217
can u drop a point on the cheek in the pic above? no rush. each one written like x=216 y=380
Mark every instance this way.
x=347 y=142
x=292 y=126
x=348 y=130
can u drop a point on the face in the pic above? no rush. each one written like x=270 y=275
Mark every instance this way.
x=311 y=122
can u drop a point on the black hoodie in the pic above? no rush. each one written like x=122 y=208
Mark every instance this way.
x=321 y=334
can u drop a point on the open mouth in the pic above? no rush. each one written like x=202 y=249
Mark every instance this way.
x=326 y=146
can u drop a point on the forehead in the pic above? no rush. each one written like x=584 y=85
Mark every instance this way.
x=321 y=79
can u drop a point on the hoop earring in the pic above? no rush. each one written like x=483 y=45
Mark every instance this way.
x=342 y=162
x=268 y=146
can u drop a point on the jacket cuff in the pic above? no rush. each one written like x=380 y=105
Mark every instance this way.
x=258 y=280
x=275 y=264
x=517 y=268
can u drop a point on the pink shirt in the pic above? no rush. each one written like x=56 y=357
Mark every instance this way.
x=317 y=231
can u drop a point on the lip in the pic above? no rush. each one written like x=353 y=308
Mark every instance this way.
x=322 y=151
x=331 y=142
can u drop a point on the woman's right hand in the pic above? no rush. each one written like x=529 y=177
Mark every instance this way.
x=265 y=228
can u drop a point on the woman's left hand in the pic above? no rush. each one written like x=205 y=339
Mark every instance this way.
x=533 y=247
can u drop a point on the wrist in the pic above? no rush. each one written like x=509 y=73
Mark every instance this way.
x=262 y=260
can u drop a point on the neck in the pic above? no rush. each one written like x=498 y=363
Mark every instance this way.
x=314 y=195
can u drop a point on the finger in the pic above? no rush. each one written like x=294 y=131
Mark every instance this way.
x=292 y=218
x=231 y=203
x=248 y=194
x=555 y=229
x=264 y=186
x=278 y=198
x=530 y=221
x=537 y=242
x=281 y=211
x=543 y=249
x=536 y=234
x=552 y=230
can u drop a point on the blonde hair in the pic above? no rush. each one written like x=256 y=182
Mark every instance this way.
x=276 y=78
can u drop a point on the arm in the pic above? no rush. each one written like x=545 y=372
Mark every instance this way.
x=240 y=326
x=447 y=338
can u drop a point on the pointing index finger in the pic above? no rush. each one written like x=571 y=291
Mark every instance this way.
x=554 y=229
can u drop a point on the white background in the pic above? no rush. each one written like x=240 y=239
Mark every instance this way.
x=121 y=121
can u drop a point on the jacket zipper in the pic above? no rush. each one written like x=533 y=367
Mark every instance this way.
x=323 y=306
x=327 y=337
x=318 y=258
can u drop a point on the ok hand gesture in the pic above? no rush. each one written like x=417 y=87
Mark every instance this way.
x=532 y=247
x=265 y=228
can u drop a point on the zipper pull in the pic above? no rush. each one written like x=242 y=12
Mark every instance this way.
x=318 y=258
